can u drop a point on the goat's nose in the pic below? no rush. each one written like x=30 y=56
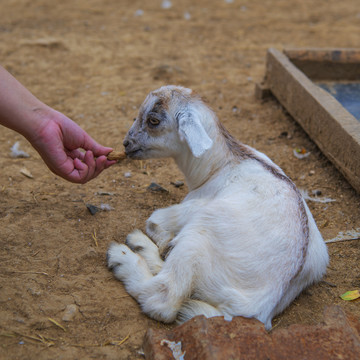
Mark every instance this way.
x=126 y=142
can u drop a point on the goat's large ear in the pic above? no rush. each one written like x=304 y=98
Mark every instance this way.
x=192 y=131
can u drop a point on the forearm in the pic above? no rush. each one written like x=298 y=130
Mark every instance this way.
x=20 y=110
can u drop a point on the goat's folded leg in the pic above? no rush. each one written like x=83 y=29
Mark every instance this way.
x=159 y=229
x=164 y=224
x=138 y=242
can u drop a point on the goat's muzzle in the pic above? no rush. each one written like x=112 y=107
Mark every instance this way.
x=132 y=150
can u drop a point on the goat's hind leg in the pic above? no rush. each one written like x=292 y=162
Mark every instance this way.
x=138 y=242
x=159 y=296
x=128 y=267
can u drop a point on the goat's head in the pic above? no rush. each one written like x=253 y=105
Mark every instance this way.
x=169 y=118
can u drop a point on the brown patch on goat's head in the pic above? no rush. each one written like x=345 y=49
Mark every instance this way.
x=161 y=104
x=169 y=92
x=172 y=97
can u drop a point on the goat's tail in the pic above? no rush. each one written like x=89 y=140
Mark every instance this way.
x=191 y=308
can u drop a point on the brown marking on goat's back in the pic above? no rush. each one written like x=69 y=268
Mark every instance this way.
x=235 y=147
x=303 y=216
x=243 y=152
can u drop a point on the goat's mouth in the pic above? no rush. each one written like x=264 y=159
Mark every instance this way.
x=134 y=153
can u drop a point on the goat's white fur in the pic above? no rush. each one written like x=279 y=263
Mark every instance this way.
x=242 y=242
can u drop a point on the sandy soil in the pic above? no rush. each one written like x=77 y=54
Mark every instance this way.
x=95 y=61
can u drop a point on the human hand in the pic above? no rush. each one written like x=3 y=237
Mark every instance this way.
x=59 y=141
x=57 y=138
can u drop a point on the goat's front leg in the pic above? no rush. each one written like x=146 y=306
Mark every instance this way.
x=142 y=245
x=161 y=227
x=164 y=224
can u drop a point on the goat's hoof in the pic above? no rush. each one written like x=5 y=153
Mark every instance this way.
x=138 y=242
x=122 y=261
x=115 y=255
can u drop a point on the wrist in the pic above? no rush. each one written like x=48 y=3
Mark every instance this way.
x=37 y=119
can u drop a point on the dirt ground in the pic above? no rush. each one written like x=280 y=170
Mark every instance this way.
x=95 y=61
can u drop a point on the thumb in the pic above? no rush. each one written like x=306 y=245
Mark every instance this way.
x=95 y=147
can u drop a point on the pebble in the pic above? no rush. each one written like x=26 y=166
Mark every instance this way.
x=34 y=290
x=69 y=312
x=139 y=12
x=166 y=4
x=187 y=16
x=177 y=183
x=156 y=188
x=92 y=209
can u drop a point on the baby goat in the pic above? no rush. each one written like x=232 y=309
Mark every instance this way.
x=242 y=242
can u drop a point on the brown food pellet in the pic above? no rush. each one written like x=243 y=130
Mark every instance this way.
x=116 y=155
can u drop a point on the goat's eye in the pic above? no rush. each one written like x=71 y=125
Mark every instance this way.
x=153 y=121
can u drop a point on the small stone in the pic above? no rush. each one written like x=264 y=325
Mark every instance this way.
x=69 y=312
x=157 y=188
x=139 y=12
x=92 y=209
x=178 y=183
x=20 y=320
x=166 y=4
x=187 y=16
x=34 y=290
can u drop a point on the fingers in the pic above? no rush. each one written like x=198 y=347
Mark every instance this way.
x=102 y=163
x=79 y=173
x=96 y=166
x=87 y=167
x=95 y=147
x=89 y=160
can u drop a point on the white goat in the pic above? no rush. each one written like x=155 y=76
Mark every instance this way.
x=242 y=242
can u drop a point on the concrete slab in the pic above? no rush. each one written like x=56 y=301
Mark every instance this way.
x=335 y=131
